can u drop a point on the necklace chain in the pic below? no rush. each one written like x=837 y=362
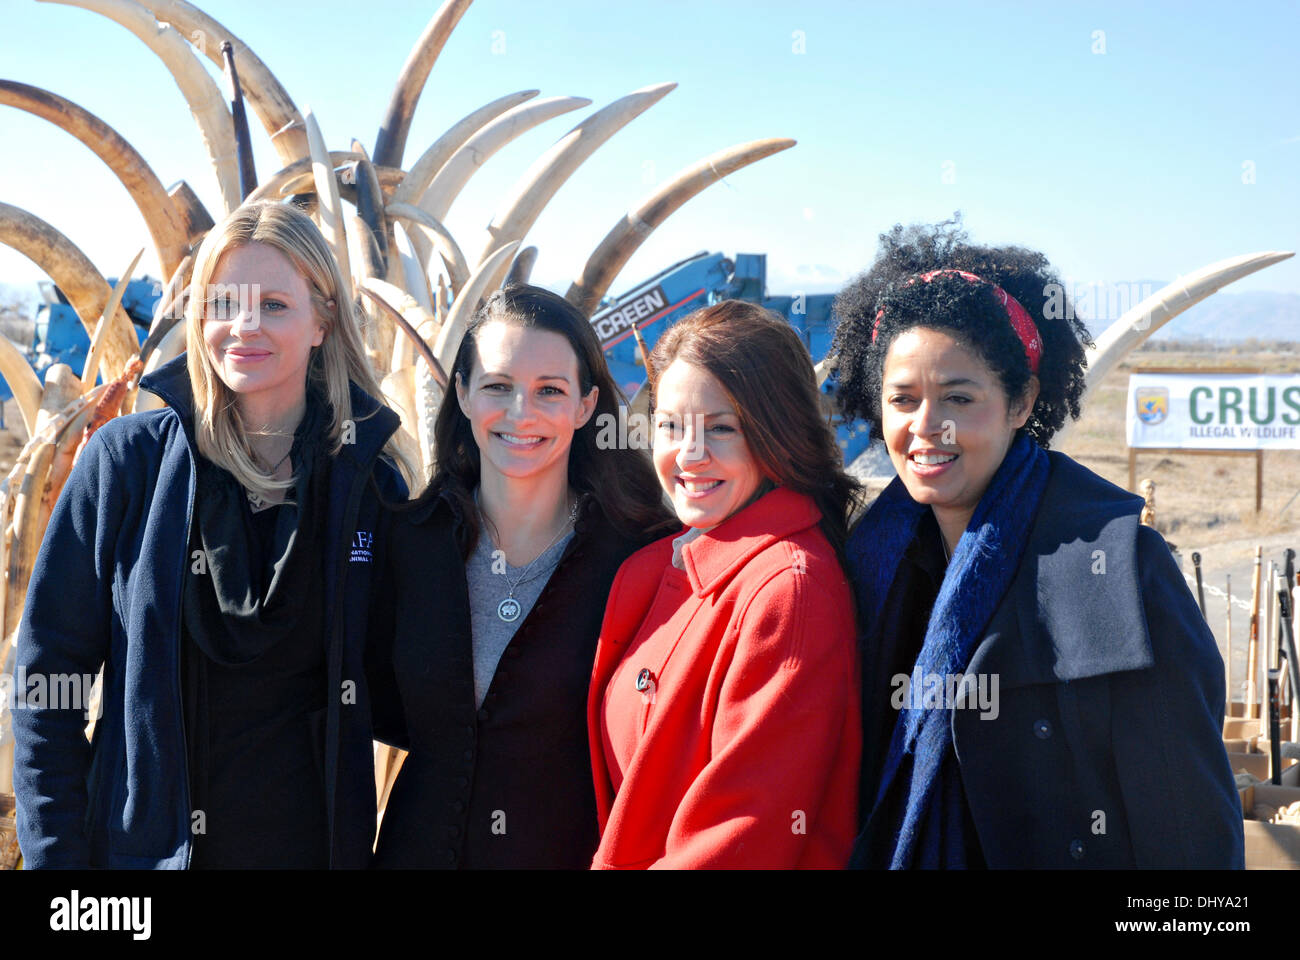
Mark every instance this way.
x=509 y=608
x=256 y=499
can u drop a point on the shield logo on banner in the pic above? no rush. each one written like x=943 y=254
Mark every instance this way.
x=1152 y=404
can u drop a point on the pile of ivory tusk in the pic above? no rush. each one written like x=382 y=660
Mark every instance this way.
x=413 y=284
x=414 y=287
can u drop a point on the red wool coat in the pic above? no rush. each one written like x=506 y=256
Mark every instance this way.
x=724 y=706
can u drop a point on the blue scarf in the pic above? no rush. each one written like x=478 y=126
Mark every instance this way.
x=929 y=829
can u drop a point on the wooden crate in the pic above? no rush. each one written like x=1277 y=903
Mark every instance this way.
x=1272 y=846
x=1240 y=728
x=8 y=834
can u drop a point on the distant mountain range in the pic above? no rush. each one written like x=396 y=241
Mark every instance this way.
x=1223 y=317
x=1228 y=317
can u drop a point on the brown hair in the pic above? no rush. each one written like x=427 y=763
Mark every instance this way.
x=620 y=480
x=767 y=373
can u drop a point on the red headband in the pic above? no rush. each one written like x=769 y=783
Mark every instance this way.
x=1019 y=318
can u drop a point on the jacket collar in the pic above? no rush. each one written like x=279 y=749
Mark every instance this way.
x=717 y=555
x=374 y=423
x=171 y=384
x=1080 y=568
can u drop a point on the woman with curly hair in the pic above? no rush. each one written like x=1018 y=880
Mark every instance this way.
x=1040 y=689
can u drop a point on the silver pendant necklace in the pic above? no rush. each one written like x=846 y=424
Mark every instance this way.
x=508 y=610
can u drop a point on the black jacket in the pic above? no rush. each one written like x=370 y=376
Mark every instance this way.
x=1102 y=746
x=508 y=785
x=117 y=542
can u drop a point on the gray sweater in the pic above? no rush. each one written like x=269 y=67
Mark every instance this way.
x=489 y=579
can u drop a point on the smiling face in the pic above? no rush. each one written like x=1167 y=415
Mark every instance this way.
x=523 y=400
x=259 y=326
x=946 y=421
x=700 y=453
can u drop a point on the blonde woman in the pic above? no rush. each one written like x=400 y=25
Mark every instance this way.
x=220 y=551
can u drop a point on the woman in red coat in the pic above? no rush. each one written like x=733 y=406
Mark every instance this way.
x=724 y=708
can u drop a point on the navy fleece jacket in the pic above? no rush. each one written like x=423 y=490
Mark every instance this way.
x=106 y=591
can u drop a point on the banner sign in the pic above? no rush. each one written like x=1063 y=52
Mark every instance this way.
x=1214 y=411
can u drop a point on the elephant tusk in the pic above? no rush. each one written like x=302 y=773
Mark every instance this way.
x=160 y=216
x=465 y=162
x=62 y=389
x=823 y=370
x=171 y=294
x=23 y=382
x=378 y=291
x=167 y=321
x=428 y=380
x=378 y=331
x=1138 y=323
x=239 y=117
x=74 y=274
x=398 y=392
x=548 y=173
x=522 y=268
x=467 y=301
x=193 y=214
x=426 y=168
x=66 y=439
x=199 y=89
x=415 y=281
x=439 y=237
x=370 y=208
x=169 y=309
x=94 y=354
x=109 y=404
x=304 y=182
x=170 y=346
x=330 y=213
x=269 y=100
x=297 y=177
x=612 y=254
x=391 y=142
x=1169 y=301
x=367 y=246
x=27 y=532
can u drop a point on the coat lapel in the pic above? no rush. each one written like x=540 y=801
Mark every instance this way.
x=1074 y=609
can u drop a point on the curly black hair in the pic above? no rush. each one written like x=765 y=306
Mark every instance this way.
x=967 y=311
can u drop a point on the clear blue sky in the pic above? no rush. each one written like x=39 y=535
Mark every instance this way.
x=1121 y=166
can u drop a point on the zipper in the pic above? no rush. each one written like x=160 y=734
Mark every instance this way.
x=340 y=575
x=180 y=704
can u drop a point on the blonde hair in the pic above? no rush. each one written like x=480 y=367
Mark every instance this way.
x=221 y=434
